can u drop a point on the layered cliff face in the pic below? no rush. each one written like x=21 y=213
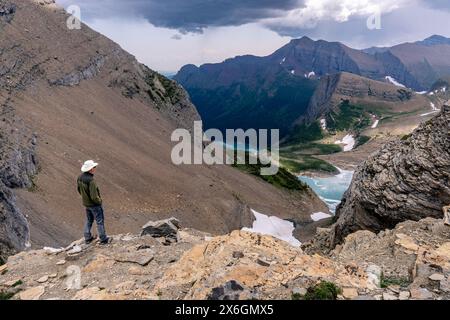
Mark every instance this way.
x=18 y=165
x=405 y=180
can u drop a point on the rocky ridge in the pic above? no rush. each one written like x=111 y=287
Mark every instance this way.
x=411 y=261
x=335 y=88
x=405 y=180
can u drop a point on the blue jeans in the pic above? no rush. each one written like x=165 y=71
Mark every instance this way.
x=95 y=213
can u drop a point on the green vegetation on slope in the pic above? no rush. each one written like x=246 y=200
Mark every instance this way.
x=258 y=104
x=307 y=163
x=392 y=281
x=324 y=290
x=350 y=117
x=305 y=133
x=283 y=179
x=310 y=148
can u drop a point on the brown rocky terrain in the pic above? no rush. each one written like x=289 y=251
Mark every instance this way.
x=335 y=88
x=407 y=179
x=71 y=95
x=411 y=261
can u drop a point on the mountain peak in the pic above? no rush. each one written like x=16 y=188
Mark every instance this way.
x=434 y=40
x=302 y=39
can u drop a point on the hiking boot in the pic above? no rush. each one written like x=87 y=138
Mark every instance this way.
x=106 y=241
x=90 y=240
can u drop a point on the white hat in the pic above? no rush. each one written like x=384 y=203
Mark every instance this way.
x=88 y=166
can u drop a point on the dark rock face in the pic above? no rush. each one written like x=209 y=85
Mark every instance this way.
x=14 y=231
x=164 y=228
x=321 y=100
x=85 y=73
x=18 y=165
x=229 y=291
x=7 y=11
x=393 y=66
x=405 y=180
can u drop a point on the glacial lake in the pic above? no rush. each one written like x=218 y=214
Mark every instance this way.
x=330 y=189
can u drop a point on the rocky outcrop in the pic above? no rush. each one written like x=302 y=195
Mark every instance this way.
x=18 y=165
x=413 y=258
x=410 y=262
x=7 y=11
x=167 y=229
x=321 y=102
x=84 y=73
x=335 y=88
x=405 y=180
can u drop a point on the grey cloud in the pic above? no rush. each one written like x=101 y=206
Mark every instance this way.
x=438 y=4
x=188 y=15
x=396 y=27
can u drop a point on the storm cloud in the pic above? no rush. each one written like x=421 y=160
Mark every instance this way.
x=283 y=16
x=189 y=15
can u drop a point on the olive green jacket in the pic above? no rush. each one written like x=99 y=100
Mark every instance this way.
x=88 y=190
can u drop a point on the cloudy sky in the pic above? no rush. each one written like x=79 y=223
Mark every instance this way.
x=167 y=34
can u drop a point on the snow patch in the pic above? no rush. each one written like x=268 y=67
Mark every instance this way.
x=431 y=94
x=433 y=108
x=275 y=227
x=320 y=216
x=311 y=74
x=282 y=61
x=293 y=71
x=348 y=142
x=422 y=92
x=395 y=82
x=375 y=124
x=323 y=124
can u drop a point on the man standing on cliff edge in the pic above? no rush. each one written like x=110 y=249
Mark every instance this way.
x=92 y=200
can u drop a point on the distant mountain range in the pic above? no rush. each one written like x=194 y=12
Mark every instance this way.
x=275 y=91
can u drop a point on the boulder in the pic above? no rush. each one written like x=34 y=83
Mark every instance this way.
x=32 y=293
x=389 y=296
x=42 y=279
x=444 y=285
x=406 y=179
x=404 y=295
x=350 y=293
x=436 y=277
x=421 y=294
x=167 y=228
x=229 y=291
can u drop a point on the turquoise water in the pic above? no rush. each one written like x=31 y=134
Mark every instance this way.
x=330 y=189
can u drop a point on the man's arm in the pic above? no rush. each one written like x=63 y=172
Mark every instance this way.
x=78 y=186
x=94 y=194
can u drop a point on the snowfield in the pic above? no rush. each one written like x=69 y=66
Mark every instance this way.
x=320 y=216
x=273 y=226
x=375 y=124
x=395 y=82
x=348 y=142
x=433 y=108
